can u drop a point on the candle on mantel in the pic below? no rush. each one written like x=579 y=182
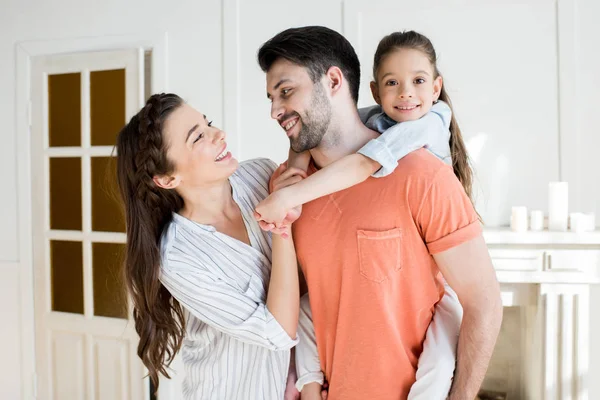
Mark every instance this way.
x=536 y=222
x=518 y=219
x=558 y=206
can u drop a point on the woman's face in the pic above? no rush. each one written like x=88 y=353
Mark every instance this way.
x=197 y=150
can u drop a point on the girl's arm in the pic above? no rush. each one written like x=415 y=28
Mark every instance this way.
x=340 y=175
x=379 y=157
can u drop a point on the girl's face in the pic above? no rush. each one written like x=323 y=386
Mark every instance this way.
x=197 y=150
x=406 y=86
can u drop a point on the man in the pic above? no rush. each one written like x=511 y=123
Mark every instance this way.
x=371 y=254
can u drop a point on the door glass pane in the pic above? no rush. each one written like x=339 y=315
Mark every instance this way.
x=64 y=109
x=66 y=264
x=109 y=289
x=107 y=102
x=106 y=209
x=65 y=193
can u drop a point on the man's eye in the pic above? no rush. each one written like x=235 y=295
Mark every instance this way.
x=199 y=137
x=210 y=123
x=285 y=91
x=419 y=81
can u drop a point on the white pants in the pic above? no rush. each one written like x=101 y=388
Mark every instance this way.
x=436 y=363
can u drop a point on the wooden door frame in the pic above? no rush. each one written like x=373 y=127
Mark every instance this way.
x=25 y=51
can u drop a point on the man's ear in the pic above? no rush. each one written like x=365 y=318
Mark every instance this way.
x=437 y=88
x=375 y=92
x=335 y=78
x=166 y=181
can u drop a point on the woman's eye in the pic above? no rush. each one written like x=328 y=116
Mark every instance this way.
x=199 y=137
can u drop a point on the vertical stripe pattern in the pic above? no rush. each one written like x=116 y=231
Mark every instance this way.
x=233 y=348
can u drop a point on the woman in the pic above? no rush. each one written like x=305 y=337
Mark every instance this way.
x=197 y=264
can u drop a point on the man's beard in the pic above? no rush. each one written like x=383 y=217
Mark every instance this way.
x=314 y=123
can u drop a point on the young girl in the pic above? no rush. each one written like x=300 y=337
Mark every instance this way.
x=413 y=112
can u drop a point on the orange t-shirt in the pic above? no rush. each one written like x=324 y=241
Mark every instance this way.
x=373 y=284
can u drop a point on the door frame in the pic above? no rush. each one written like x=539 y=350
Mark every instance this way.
x=155 y=41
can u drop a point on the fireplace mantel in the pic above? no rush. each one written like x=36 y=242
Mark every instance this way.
x=549 y=274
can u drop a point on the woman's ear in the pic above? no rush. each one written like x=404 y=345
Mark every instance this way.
x=437 y=88
x=166 y=181
x=375 y=92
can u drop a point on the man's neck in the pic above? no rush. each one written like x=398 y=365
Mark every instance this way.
x=345 y=136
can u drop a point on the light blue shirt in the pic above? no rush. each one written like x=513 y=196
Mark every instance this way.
x=431 y=131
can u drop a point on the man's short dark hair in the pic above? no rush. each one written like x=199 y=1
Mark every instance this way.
x=317 y=49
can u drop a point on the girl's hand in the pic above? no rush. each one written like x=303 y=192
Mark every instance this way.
x=271 y=213
x=272 y=209
x=284 y=229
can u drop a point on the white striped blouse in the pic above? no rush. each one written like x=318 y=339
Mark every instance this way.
x=233 y=348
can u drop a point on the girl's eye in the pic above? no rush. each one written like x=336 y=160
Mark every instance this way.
x=419 y=81
x=391 y=83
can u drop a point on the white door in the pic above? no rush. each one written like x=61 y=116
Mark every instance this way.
x=85 y=338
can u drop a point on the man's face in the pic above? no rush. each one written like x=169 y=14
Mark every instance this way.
x=300 y=106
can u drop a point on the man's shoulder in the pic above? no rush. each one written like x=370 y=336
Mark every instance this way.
x=420 y=164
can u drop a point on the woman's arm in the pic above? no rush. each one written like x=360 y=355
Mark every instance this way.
x=283 y=300
x=235 y=311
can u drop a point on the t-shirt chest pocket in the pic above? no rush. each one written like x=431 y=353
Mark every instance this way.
x=379 y=253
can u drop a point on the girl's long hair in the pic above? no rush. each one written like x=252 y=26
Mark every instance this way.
x=416 y=41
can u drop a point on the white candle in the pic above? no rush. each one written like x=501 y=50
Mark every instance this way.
x=536 y=220
x=518 y=219
x=577 y=222
x=590 y=221
x=558 y=206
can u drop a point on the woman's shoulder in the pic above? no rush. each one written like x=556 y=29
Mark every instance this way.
x=182 y=236
x=255 y=174
x=257 y=165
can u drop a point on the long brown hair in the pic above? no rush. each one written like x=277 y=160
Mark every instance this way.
x=416 y=41
x=141 y=155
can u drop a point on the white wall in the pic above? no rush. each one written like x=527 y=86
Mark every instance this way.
x=499 y=60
